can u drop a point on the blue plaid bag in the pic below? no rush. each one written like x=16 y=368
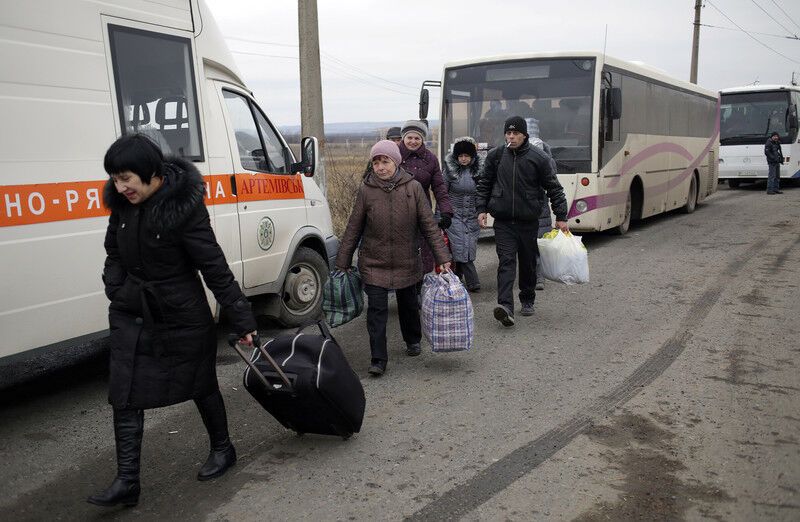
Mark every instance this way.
x=448 y=321
x=342 y=300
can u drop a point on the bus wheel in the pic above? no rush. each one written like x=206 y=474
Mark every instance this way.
x=623 y=227
x=691 y=199
x=733 y=183
x=301 y=298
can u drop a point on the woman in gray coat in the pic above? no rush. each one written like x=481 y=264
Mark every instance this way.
x=462 y=167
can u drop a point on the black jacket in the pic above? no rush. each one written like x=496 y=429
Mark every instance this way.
x=163 y=338
x=512 y=179
x=773 y=152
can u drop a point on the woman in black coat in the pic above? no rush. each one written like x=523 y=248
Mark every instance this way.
x=163 y=338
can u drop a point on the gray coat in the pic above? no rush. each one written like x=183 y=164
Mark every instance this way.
x=461 y=184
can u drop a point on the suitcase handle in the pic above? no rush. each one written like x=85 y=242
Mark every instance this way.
x=233 y=340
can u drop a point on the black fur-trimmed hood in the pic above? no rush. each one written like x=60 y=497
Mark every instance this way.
x=453 y=167
x=183 y=190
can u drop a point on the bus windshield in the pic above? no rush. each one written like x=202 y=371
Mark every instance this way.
x=750 y=117
x=553 y=95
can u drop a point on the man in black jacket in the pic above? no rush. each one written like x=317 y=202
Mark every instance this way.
x=774 y=154
x=509 y=190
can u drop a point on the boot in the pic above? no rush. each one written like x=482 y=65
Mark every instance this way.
x=128 y=428
x=223 y=454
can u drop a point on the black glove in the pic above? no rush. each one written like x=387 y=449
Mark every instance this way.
x=445 y=221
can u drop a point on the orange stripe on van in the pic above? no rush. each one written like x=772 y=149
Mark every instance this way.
x=48 y=202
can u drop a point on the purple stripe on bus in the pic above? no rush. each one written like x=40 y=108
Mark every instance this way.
x=617 y=198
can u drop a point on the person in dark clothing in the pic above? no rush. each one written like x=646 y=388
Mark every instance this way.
x=423 y=165
x=509 y=188
x=390 y=214
x=163 y=338
x=462 y=168
x=774 y=154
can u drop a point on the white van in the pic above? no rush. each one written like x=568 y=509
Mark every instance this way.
x=75 y=75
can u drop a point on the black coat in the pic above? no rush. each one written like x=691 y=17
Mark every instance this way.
x=163 y=338
x=511 y=183
x=773 y=152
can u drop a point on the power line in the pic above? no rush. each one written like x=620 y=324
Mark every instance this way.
x=785 y=13
x=750 y=35
x=752 y=32
x=773 y=18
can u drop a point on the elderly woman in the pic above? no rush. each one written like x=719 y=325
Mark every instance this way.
x=461 y=172
x=390 y=211
x=424 y=167
x=163 y=338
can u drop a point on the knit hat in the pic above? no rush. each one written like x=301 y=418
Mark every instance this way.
x=774 y=133
x=415 y=126
x=393 y=132
x=515 y=123
x=386 y=148
x=464 y=146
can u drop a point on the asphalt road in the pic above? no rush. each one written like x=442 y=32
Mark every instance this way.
x=665 y=389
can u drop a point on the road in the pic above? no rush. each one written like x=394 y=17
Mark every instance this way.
x=665 y=389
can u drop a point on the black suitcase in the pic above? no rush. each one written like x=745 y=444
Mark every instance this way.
x=305 y=382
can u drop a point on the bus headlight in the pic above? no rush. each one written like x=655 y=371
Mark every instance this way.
x=581 y=206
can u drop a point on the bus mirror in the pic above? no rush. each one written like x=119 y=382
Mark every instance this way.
x=614 y=101
x=423 y=103
x=309 y=150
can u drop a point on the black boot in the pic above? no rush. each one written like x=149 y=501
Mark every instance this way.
x=223 y=454
x=128 y=427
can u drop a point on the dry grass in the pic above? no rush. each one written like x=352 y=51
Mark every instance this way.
x=344 y=168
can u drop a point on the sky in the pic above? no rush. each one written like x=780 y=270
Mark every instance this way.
x=375 y=54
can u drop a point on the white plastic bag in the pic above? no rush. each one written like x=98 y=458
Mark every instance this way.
x=564 y=258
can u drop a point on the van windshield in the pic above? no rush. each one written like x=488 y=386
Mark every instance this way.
x=154 y=76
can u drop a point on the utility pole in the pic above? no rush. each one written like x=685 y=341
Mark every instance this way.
x=698 y=4
x=311 y=120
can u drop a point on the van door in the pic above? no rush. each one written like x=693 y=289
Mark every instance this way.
x=270 y=200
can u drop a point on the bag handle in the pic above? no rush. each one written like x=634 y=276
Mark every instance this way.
x=323 y=328
x=233 y=340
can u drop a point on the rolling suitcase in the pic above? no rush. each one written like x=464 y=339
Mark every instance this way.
x=305 y=382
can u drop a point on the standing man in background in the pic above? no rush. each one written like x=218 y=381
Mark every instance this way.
x=774 y=154
x=509 y=189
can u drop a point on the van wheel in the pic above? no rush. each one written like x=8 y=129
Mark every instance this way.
x=623 y=227
x=733 y=183
x=691 y=199
x=301 y=297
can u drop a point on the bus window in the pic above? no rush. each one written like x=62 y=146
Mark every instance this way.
x=155 y=86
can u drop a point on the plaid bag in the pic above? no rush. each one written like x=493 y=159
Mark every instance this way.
x=342 y=300
x=447 y=318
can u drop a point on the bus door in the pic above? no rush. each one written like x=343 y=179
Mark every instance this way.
x=270 y=202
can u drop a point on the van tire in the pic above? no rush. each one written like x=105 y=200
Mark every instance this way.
x=301 y=295
x=733 y=183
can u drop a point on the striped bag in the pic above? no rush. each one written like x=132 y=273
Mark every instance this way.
x=448 y=321
x=342 y=300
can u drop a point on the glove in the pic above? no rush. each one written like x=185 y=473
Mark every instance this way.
x=445 y=221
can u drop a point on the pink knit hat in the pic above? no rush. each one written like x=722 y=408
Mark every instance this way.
x=386 y=148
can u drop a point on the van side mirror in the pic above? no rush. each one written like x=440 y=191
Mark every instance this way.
x=309 y=150
x=614 y=101
x=423 y=103
x=792 y=117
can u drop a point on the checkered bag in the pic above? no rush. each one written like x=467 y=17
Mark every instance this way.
x=342 y=300
x=448 y=321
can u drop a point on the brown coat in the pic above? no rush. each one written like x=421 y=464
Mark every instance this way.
x=388 y=222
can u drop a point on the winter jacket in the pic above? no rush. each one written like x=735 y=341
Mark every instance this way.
x=163 y=339
x=511 y=181
x=461 y=183
x=388 y=221
x=773 y=152
x=545 y=221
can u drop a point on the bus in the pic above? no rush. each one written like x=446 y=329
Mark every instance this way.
x=748 y=115
x=629 y=141
x=74 y=76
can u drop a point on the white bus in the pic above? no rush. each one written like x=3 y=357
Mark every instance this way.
x=630 y=142
x=75 y=75
x=748 y=116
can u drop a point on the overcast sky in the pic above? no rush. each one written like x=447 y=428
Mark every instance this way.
x=375 y=54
